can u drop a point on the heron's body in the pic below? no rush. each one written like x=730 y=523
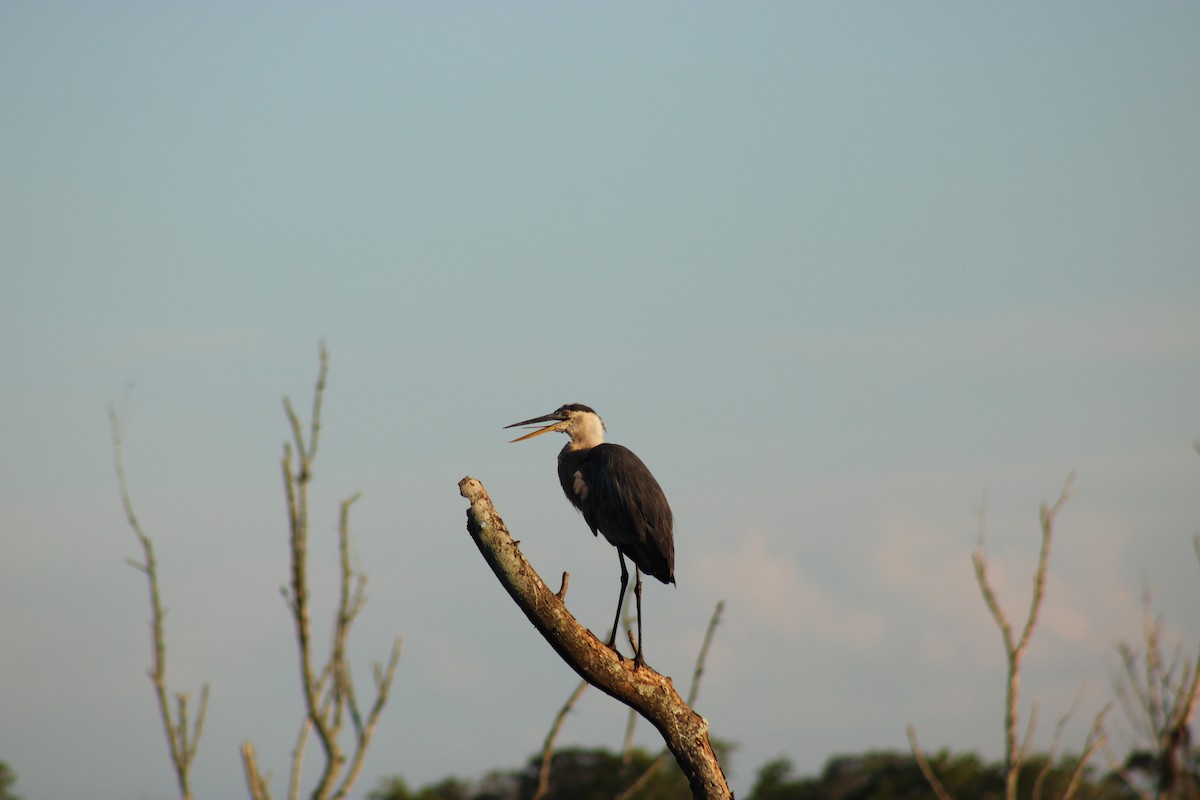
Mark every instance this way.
x=618 y=497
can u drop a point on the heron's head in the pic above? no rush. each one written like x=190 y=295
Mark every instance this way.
x=576 y=420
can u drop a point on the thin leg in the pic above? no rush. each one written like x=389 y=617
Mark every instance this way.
x=612 y=640
x=637 y=593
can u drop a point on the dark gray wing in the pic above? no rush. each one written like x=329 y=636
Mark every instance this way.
x=619 y=497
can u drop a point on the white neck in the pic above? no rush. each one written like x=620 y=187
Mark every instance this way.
x=586 y=431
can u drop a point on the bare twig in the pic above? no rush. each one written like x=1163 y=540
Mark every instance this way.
x=631 y=720
x=1054 y=744
x=926 y=769
x=693 y=693
x=383 y=684
x=702 y=656
x=1015 y=650
x=255 y=780
x=182 y=740
x=548 y=748
x=1158 y=699
x=685 y=731
x=298 y=758
x=1095 y=740
x=1030 y=726
x=329 y=697
x=1015 y=749
x=627 y=744
x=1120 y=769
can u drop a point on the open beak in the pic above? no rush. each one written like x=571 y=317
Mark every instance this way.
x=553 y=419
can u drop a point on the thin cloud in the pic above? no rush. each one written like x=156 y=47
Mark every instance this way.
x=1085 y=607
x=777 y=594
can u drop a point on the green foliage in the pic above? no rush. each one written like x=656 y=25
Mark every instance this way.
x=1159 y=779
x=395 y=788
x=7 y=779
x=575 y=774
x=598 y=774
x=896 y=776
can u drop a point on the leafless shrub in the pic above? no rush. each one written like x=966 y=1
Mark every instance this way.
x=329 y=696
x=1158 y=697
x=1016 y=748
x=182 y=739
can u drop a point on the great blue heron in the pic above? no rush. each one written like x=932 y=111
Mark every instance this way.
x=617 y=496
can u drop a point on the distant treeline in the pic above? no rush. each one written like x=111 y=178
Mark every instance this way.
x=598 y=774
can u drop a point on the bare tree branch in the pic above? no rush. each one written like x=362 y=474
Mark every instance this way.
x=1117 y=767
x=254 y=779
x=1015 y=749
x=631 y=719
x=702 y=656
x=1158 y=699
x=296 y=480
x=693 y=693
x=329 y=697
x=653 y=695
x=383 y=685
x=627 y=744
x=643 y=779
x=1095 y=740
x=298 y=758
x=548 y=748
x=926 y=769
x=1027 y=740
x=182 y=741
x=1054 y=743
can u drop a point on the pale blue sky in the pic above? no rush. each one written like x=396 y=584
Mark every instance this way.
x=833 y=271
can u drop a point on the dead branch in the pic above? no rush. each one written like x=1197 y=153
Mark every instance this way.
x=632 y=717
x=693 y=693
x=627 y=745
x=1095 y=740
x=1121 y=771
x=627 y=750
x=926 y=769
x=653 y=695
x=1158 y=697
x=298 y=758
x=559 y=718
x=1015 y=749
x=255 y=780
x=182 y=740
x=328 y=691
x=548 y=748
x=1055 y=743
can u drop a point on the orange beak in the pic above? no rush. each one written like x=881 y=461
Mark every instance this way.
x=553 y=419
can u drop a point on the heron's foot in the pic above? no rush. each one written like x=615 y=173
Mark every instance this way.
x=612 y=645
x=638 y=661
